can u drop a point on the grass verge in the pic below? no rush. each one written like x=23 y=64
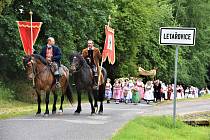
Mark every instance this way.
x=13 y=108
x=207 y=96
x=10 y=108
x=160 y=128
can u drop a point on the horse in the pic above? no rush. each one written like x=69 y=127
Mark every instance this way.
x=83 y=78
x=38 y=69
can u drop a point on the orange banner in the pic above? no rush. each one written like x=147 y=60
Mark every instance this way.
x=109 y=48
x=25 y=34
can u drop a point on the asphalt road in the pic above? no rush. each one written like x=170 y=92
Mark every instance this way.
x=86 y=127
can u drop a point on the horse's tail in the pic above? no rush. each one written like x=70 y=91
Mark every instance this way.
x=68 y=90
x=104 y=74
x=69 y=93
x=101 y=92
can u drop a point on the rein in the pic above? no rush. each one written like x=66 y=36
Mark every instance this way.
x=35 y=74
x=77 y=70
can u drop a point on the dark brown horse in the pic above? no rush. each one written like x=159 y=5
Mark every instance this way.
x=37 y=68
x=83 y=78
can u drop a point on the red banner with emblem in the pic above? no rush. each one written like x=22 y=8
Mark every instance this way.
x=25 y=34
x=109 y=48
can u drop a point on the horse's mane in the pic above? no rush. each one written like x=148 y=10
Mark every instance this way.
x=80 y=57
x=41 y=58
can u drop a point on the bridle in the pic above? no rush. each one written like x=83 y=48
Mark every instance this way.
x=35 y=74
x=78 y=66
x=34 y=69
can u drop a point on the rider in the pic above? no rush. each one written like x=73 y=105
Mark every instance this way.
x=92 y=55
x=52 y=53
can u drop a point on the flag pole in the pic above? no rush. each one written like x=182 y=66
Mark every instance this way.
x=100 y=68
x=31 y=13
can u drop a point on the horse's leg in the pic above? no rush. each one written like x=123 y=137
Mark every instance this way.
x=61 y=106
x=62 y=98
x=91 y=102
x=79 y=109
x=47 y=102
x=39 y=102
x=101 y=109
x=95 y=95
x=54 y=103
x=101 y=96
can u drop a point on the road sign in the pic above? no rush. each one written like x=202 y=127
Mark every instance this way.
x=177 y=36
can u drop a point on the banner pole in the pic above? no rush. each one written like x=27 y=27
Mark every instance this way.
x=100 y=67
x=31 y=13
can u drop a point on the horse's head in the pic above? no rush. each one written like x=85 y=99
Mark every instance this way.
x=76 y=61
x=30 y=62
x=27 y=63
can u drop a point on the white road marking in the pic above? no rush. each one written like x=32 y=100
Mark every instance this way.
x=99 y=117
x=82 y=121
x=125 y=109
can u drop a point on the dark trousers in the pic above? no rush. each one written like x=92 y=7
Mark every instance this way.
x=157 y=95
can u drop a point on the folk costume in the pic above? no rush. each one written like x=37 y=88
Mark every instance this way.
x=52 y=54
x=149 y=92
x=117 y=92
x=135 y=95
x=108 y=91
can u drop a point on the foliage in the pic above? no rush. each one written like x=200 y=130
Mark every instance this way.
x=5 y=93
x=160 y=128
x=136 y=25
x=3 y=4
x=137 y=36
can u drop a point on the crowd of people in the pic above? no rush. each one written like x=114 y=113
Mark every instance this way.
x=124 y=89
x=133 y=90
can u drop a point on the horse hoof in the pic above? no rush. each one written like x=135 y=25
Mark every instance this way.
x=100 y=113
x=93 y=114
x=53 y=112
x=60 y=112
x=46 y=115
x=38 y=114
x=76 y=113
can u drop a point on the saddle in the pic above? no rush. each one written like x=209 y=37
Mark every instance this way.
x=63 y=70
x=95 y=71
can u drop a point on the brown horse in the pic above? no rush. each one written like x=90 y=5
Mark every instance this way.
x=38 y=69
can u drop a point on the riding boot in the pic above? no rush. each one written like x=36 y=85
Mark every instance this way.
x=57 y=77
x=95 y=83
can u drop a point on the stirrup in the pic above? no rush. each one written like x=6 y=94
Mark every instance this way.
x=95 y=87
x=58 y=85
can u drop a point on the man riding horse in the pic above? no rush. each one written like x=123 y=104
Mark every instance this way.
x=92 y=55
x=52 y=54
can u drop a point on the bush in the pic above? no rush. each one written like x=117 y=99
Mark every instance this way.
x=6 y=93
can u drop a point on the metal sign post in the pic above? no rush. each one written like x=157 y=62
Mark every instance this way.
x=176 y=36
x=175 y=83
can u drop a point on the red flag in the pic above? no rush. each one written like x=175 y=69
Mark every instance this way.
x=25 y=34
x=109 y=49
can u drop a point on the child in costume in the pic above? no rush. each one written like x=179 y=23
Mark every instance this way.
x=108 y=90
x=135 y=95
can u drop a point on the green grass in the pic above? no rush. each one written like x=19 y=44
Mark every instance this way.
x=10 y=107
x=160 y=128
x=207 y=96
x=13 y=108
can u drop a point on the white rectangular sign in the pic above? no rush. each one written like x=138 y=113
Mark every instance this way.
x=177 y=36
